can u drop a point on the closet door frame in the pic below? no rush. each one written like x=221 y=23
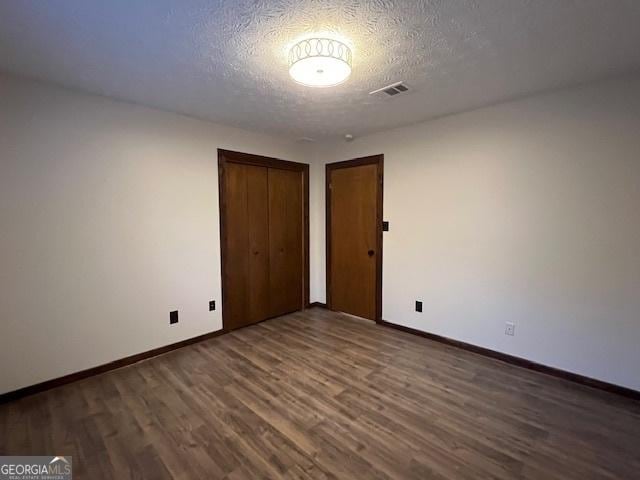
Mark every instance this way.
x=229 y=156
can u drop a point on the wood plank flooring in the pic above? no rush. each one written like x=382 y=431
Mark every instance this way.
x=321 y=395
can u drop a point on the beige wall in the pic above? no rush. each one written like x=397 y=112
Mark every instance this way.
x=523 y=212
x=109 y=216
x=526 y=212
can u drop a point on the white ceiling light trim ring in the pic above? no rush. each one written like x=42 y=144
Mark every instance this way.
x=320 y=62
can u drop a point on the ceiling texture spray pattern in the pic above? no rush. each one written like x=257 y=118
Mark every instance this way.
x=226 y=61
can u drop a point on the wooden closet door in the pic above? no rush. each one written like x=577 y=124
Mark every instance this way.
x=257 y=195
x=285 y=241
x=246 y=237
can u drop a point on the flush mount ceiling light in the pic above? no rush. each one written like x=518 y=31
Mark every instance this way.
x=320 y=62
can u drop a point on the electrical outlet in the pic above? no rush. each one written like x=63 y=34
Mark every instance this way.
x=173 y=317
x=510 y=329
x=212 y=305
x=418 y=306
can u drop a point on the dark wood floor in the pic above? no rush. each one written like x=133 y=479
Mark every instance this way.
x=321 y=395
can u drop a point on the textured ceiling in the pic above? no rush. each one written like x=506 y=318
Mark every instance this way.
x=226 y=60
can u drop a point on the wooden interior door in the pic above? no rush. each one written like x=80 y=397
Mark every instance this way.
x=246 y=293
x=258 y=218
x=354 y=226
x=285 y=241
x=264 y=226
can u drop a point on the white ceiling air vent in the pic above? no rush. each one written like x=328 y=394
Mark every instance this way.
x=391 y=90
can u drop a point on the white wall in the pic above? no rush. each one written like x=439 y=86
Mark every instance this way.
x=109 y=220
x=526 y=212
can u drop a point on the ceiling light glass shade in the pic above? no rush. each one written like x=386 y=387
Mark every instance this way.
x=320 y=62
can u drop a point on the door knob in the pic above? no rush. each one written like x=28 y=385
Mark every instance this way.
x=371 y=253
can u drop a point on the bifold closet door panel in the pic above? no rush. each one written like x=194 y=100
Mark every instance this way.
x=246 y=292
x=257 y=194
x=285 y=241
x=236 y=237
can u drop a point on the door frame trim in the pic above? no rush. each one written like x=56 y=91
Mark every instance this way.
x=377 y=160
x=230 y=156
